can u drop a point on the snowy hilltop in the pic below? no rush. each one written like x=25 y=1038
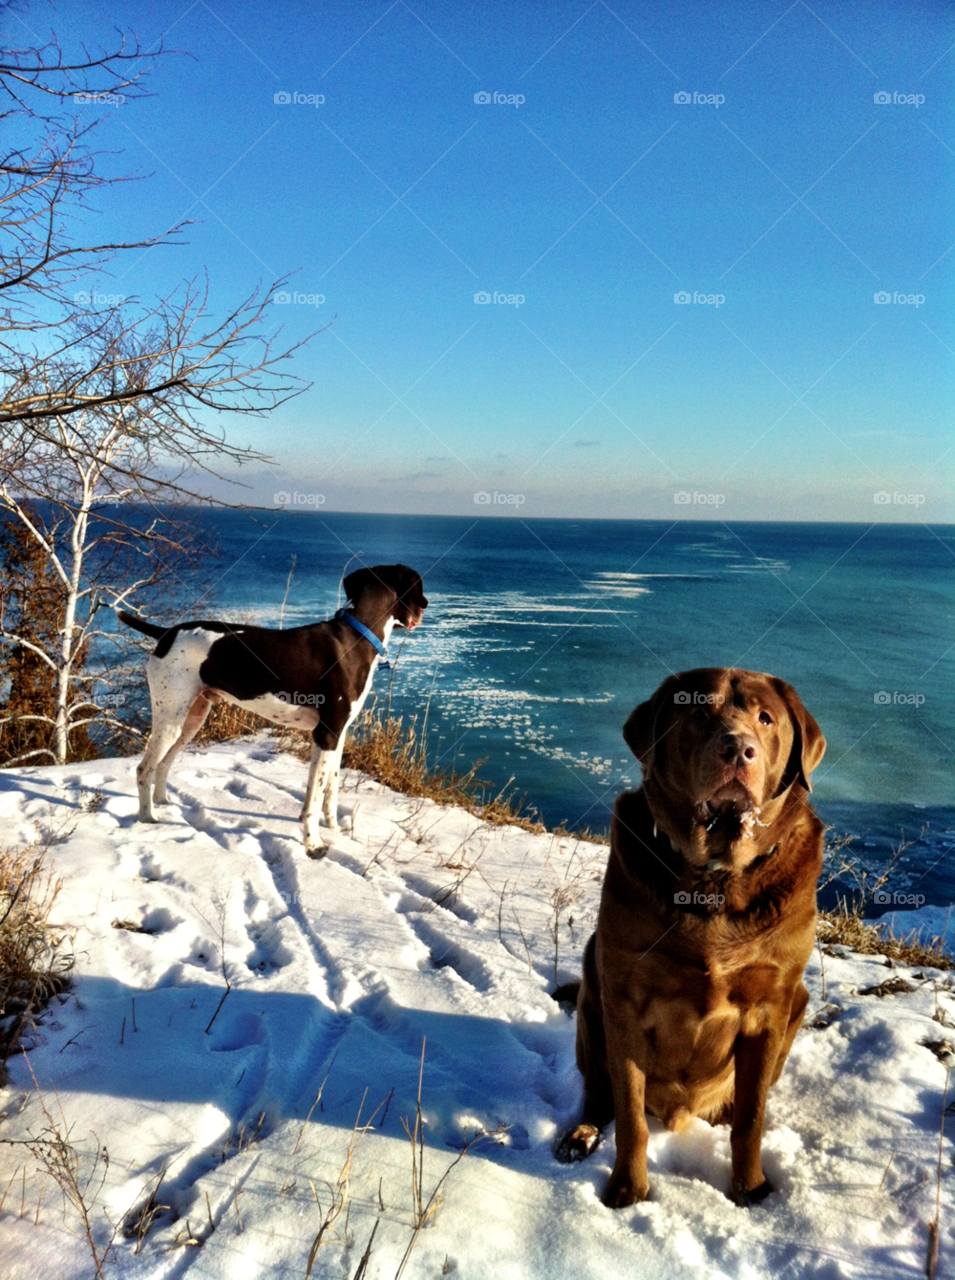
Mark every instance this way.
x=235 y=1129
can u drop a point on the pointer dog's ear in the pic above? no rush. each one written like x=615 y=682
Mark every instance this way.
x=358 y=582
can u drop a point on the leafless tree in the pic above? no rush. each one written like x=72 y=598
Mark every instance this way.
x=106 y=402
x=96 y=526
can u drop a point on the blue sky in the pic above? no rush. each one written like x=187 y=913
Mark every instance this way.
x=792 y=202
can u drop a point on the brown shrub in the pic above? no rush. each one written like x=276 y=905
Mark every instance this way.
x=35 y=960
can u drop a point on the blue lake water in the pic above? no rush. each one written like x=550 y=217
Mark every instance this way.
x=542 y=635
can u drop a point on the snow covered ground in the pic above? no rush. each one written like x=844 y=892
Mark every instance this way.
x=424 y=923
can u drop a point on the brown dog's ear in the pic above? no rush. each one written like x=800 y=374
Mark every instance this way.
x=641 y=732
x=809 y=746
x=358 y=582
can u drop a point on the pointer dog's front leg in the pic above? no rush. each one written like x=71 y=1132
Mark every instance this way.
x=320 y=767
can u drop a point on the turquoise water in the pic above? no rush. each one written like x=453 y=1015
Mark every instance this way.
x=542 y=635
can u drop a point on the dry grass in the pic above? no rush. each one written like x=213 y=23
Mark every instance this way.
x=385 y=749
x=225 y=722
x=847 y=929
x=36 y=961
x=846 y=926
x=424 y=1210
x=381 y=746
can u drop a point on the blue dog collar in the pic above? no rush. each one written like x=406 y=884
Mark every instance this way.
x=368 y=635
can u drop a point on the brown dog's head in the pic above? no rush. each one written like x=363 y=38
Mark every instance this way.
x=725 y=753
x=394 y=590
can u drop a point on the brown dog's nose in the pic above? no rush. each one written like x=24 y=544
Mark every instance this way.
x=737 y=748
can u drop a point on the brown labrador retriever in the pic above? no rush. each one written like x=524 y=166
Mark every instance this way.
x=692 y=989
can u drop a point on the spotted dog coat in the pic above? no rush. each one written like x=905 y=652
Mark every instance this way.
x=315 y=677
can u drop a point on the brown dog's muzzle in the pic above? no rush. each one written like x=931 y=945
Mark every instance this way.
x=738 y=749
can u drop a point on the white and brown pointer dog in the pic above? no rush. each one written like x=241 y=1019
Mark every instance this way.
x=314 y=677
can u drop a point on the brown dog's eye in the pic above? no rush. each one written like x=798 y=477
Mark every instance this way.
x=765 y=718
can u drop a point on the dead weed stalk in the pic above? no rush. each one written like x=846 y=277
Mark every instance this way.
x=80 y=1186
x=339 y=1190
x=423 y=1211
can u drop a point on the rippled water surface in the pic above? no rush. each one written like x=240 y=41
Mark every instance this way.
x=542 y=635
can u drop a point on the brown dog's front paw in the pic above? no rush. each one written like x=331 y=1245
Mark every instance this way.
x=746 y=1199
x=623 y=1190
x=578 y=1144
